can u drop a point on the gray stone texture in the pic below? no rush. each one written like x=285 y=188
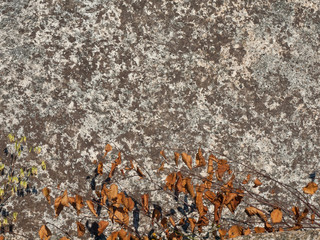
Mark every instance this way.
x=239 y=79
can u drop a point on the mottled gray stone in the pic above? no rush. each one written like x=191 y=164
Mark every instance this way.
x=239 y=78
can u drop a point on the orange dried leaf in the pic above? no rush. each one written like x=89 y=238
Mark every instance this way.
x=187 y=159
x=210 y=196
x=303 y=215
x=235 y=231
x=311 y=188
x=170 y=180
x=145 y=202
x=58 y=206
x=128 y=203
x=199 y=204
x=210 y=164
x=164 y=223
x=65 y=199
x=163 y=154
x=121 y=216
x=113 y=168
x=192 y=223
x=295 y=211
x=176 y=158
x=161 y=167
x=113 y=192
x=44 y=233
x=107 y=148
x=222 y=168
x=276 y=216
x=246 y=231
x=200 y=161
x=257 y=183
x=1 y=237
x=259 y=230
x=91 y=207
x=79 y=203
x=113 y=236
x=189 y=187
x=123 y=235
x=100 y=168
x=102 y=227
x=252 y=211
x=222 y=232
x=80 y=229
x=172 y=221
x=46 y=193
x=63 y=238
x=245 y=181
x=312 y=218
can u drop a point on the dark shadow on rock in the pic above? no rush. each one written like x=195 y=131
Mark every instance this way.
x=93 y=230
x=93 y=184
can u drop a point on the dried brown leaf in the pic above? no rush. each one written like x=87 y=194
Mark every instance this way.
x=246 y=231
x=65 y=199
x=192 y=224
x=276 y=216
x=63 y=238
x=58 y=206
x=187 y=159
x=170 y=180
x=245 y=181
x=161 y=167
x=172 y=221
x=46 y=192
x=91 y=207
x=156 y=214
x=80 y=229
x=79 y=203
x=102 y=227
x=190 y=188
x=200 y=161
x=100 y=168
x=259 y=230
x=257 y=183
x=311 y=188
x=145 y=202
x=107 y=148
x=210 y=164
x=45 y=233
x=255 y=211
x=176 y=158
x=235 y=231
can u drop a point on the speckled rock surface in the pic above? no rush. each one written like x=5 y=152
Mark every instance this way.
x=239 y=78
x=297 y=235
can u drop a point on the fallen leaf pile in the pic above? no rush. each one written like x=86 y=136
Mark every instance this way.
x=215 y=190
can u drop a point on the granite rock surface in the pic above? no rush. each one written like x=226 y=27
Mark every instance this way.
x=239 y=79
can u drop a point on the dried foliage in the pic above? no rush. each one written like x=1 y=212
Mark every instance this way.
x=217 y=189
